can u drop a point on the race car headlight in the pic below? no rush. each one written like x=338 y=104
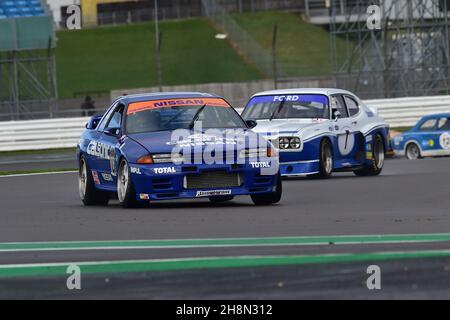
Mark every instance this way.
x=295 y=143
x=289 y=143
x=284 y=143
x=253 y=153
x=167 y=158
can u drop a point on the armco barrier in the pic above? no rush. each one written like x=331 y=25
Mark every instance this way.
x=405 y=112
x=65 y=133
x=41 y=134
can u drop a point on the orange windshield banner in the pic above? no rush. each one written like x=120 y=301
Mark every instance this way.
x=155 y=104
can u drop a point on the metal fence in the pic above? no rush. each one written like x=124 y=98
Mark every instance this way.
x=237 y=93
x=177 y=9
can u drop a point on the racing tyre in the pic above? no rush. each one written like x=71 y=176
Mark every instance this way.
x=378 y=160
x=86 y=186
x=266 y=199
x=412 y=152
x=220 y=199
x=326 y=161
x=125 y=187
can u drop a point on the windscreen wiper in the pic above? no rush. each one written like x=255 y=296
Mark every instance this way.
x=197 y=114
x=277 y=110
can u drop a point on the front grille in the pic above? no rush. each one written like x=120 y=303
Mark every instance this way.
x=161 y=184
x=213 y=179
x=259 y=179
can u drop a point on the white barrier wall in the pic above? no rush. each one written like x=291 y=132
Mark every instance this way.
x=65 y=133
x=41 y=134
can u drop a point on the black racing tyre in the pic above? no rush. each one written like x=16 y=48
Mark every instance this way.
x=326 y=162
x=220 y=199
x=266 y=199
x=90 y=195
x=379 y=155
x=125 y=188
x=412 y=152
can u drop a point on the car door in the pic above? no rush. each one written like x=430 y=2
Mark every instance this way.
x=429 y=136
x=344 y=128
x=443 y=135
x=356 y=121
x=108 y=146
x=93 y=151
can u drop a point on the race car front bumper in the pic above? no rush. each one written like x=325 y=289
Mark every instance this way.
x=299 y=168
x=169 y=181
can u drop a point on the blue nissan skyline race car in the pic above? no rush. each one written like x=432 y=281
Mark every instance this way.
x=430 y=137
x=172 y=146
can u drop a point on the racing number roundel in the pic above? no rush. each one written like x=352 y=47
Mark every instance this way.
x=444 y=140
x=346 y=142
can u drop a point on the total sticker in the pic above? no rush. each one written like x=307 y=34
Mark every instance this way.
x=164 y=170
x=257 y=165
x=444 y=140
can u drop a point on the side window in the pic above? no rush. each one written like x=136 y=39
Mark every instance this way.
x=337 y=103
x=428 y=125
x=444 y=124
x=115 y=121
x=102 y=125
x=352 y=106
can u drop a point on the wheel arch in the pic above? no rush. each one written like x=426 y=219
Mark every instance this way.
x=330 y=141
x=383 y=139
x=412 y=141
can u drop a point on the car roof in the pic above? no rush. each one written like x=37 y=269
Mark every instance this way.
x=438 y=115
x=324 y=91
x=165 y=95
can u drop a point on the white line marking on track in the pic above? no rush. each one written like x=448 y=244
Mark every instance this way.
x=134 y=261
x=35 y=174
x=346 y=243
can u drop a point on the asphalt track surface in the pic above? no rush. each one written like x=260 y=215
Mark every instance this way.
x=288 y=251
x=64 y=159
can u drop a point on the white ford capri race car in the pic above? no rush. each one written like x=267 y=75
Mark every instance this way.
x=318 y=131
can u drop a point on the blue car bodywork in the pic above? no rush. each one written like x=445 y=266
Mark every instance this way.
x=430 y=137
x=105 y=144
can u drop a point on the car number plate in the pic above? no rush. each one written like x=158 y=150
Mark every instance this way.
x=211 y=193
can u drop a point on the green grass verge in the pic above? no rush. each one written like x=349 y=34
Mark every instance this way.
x=123 y=57
x=14 y=172
x=304 y=49
x=403 y=129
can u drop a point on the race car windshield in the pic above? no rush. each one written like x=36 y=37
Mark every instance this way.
x=288 y=107
x=172 y=117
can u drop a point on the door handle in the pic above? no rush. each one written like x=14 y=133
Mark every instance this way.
x=355 y=122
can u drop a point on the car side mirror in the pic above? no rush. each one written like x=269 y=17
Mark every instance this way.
x=337 y=115
x=93 y=122
x=112 y=132
x=251 y=123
